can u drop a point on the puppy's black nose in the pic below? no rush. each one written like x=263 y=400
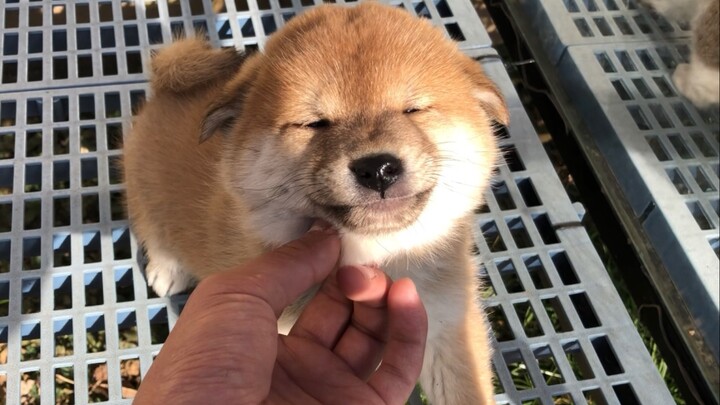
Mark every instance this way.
x=377 y=172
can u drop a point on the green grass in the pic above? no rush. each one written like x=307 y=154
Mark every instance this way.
x=634 y=313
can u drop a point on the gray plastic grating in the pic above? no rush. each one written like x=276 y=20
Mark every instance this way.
x=72 y=301
x=664 y=153
x=591 y=22
x=76 y=315
x=655 y=155
x=561 y=330
x=46 y=44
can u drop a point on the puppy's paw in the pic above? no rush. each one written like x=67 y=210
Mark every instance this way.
x=661 y=6
x=167 y=278
x=681 y=76
x=672 y=9
x=698 y=83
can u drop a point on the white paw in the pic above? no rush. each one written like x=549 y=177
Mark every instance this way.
x=697 y=83
x=661 y=6
x=680 y=77
x=673 y=9
x=167 y=278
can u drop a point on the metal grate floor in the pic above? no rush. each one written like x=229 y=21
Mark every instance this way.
x=76 y=318
x=589 y=22
x=47 y=44
x=661 y=151
x=657 y=149
x=562 y=333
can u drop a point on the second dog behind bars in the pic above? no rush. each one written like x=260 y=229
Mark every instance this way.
x=699 y=79
x=365 y=117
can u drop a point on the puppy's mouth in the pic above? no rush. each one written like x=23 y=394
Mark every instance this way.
x=377 y=216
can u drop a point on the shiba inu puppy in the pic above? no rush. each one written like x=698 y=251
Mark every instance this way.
x=698 y=80
x=365 y=117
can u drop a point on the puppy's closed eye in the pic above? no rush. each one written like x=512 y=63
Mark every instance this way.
x=319 y=124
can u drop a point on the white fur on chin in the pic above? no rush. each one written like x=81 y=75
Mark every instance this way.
x=464 y=173
x=456 y=194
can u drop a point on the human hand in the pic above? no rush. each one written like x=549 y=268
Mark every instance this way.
x=225 y=347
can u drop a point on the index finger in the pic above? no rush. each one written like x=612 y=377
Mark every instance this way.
x=280 y=276
x=324 y=319
x=403 y=358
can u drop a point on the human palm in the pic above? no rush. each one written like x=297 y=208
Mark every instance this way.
x=225 y=347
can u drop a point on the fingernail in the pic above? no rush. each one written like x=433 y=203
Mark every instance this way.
x=322 y=226
x=368 y=273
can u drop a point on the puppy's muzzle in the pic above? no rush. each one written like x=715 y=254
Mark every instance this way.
x=377 y=172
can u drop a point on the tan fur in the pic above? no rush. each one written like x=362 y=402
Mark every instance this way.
x=178 y=71
x=223 y=164
x=698 y=80
x=706 y=35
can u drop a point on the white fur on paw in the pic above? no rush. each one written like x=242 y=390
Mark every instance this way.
x=681 y=77
x=697 y=83
x=675 y=10
x=167 y=278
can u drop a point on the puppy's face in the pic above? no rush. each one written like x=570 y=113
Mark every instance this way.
x=365 y=117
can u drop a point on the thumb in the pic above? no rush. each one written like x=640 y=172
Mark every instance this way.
x=280 y=276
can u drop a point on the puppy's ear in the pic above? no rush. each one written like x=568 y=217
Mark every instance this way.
x=224 y=112
x=486 y=92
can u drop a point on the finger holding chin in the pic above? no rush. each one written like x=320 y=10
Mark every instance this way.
x=389 y=324
x=281 y=276
x=325 y=318
x=362 y=344
x=405 y=348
